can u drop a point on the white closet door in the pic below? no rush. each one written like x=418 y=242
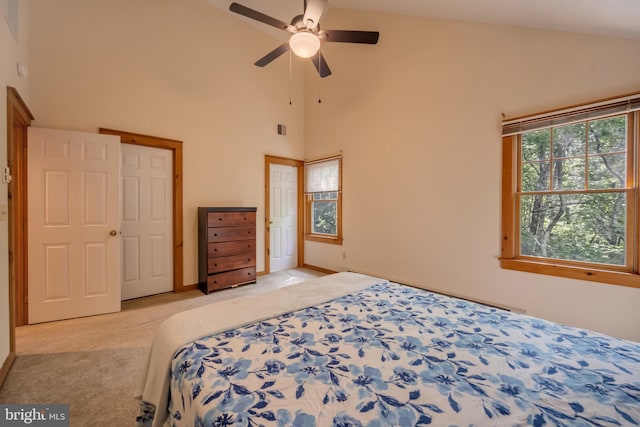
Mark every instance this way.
x=73 y=223
x=147 y=221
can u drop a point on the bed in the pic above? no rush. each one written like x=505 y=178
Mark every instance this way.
x=354 y=350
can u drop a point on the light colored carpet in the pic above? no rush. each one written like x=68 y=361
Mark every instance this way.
x=95 y=363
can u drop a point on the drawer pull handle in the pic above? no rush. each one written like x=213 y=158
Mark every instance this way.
x=219 y=219
x=215 y=234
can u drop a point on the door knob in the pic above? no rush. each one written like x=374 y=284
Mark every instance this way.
x=113 y=233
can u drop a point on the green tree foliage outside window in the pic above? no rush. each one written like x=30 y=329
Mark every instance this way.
x=572 y=196
x=325 y=213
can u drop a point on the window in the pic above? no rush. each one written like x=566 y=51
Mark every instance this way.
x=323 y=195
x=570 y=192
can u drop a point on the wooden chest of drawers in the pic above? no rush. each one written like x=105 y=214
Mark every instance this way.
x=226 y=247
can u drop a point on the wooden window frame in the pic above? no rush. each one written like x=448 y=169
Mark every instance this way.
x=308 y=208
x=627 y=275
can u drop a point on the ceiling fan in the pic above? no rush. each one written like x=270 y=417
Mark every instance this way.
x=306 y=34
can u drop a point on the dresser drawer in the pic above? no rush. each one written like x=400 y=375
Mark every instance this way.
x=224 y=234
x=231 y=248
x=230 y=262
x=230 y=219
x=230 y=278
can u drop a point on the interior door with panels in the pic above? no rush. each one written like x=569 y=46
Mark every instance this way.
x=73 y=223
x=147 y=221
x=283 y=216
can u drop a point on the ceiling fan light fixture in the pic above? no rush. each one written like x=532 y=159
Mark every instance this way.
x=304 y=44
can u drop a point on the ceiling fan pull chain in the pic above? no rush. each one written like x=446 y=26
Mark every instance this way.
x=319 y=77
x=290 y=78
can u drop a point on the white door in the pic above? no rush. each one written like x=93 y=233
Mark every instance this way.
x=73 y=223
x=147 y=221
x=284 y=219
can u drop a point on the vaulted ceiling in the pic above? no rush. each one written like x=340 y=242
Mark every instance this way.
x=618 y=18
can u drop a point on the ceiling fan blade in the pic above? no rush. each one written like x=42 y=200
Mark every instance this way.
x=272 y=55
x=313 y=11
x=259 y=16
x=321 y=65
x=349 y=36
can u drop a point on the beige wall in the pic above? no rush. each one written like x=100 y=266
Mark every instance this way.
x=176 y=69
x=419 y=127
x=12 y=52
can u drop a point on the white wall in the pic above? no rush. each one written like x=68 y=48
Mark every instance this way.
x=418 y=120
x=176 y=69
x=12 y=52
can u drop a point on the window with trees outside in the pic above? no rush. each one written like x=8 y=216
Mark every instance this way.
x=323 y=196
x=570 y=192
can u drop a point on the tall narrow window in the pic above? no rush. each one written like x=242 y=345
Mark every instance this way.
x=323 y=194
x=570 y=192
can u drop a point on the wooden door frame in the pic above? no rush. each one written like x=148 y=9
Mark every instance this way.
x=19 y=118
x=176 y=147
x=299 y=164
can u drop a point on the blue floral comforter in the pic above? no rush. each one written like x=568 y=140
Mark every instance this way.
x=395 y=355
